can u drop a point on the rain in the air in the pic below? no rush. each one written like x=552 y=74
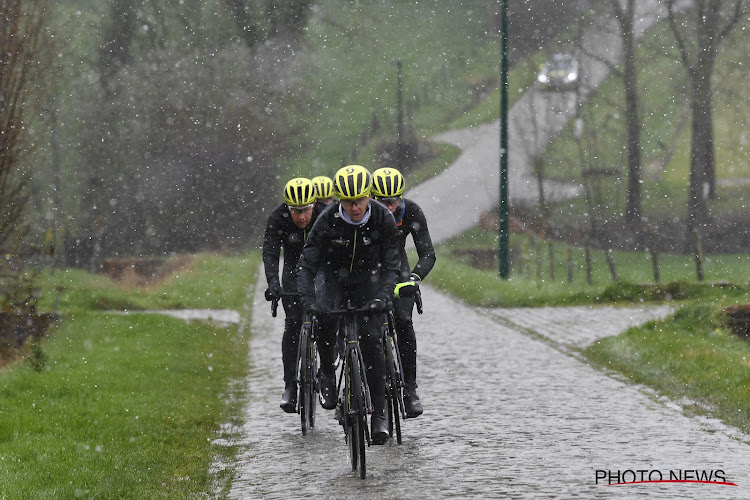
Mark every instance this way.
x=374 y=249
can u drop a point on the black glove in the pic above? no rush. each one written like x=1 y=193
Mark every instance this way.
x=376 y=305
x=312 y=308
x=273 y=292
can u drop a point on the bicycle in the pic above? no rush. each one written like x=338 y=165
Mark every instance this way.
x=307 y=368
x=354 y=403
x=394 y=377
x=394 y=382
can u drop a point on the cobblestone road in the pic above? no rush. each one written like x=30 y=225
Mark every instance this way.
x=509 y=413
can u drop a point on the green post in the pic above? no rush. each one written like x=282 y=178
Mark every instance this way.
x=400 y=117
x=504 y=236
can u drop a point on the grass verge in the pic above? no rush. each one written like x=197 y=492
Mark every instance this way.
x=692 y=355
x=532 y=284
x=127 y=406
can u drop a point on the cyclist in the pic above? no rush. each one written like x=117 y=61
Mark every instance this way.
x=354 y=246
x=323 y=189
x=388 y=188
x=288 y=228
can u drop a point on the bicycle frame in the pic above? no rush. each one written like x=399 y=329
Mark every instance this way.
x=355 y=403
x=394 y=383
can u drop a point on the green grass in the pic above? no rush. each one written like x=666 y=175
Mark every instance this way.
x=692 y=355
x=209 y=282
x=354 y=76
x=532 y=285
x=126 y=406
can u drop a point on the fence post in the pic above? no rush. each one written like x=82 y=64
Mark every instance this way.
x=587 y=258
x=611 y=264
x=527 y=258
x=698 y=254
x=551 y=261
x=654 y=255
x=570 y=265
x=538 y=255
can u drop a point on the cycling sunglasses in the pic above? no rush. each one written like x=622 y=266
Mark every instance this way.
x=300 y=210
x=390 y=200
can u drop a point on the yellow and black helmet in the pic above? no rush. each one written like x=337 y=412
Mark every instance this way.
x=352 y=182
x=299 y=192
x=323 y=186
x=387 y=183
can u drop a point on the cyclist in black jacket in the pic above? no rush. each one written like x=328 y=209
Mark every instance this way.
x=354 y=246
x=388 y=188
x=288 y=227
x=323 y=189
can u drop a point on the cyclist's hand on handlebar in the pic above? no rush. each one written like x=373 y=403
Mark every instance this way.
x=406 y=289
x=313 y=308
x=377 y=305
x=273 y=292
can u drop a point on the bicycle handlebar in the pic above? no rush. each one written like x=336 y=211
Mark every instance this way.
x=275 y=301
x=351 y=310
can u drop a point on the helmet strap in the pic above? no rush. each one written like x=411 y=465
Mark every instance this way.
x=399 y=215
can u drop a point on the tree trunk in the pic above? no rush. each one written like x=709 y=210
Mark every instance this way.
x=701 y=152
x=630 y=76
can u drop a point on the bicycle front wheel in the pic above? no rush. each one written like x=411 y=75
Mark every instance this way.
x=357 y=415
x=304 y=382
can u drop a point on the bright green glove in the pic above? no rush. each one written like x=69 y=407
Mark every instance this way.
x=406 y=289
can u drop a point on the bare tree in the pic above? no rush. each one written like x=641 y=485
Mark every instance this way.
x=533 y=135
x=22 y=54
x=625 y=15
x=699 y=33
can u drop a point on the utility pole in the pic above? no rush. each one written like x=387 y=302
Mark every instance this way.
x=400 y=119
x=504 y=236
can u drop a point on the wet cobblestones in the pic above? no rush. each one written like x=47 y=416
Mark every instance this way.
x=508 y=414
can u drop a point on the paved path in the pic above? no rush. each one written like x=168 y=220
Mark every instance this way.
x=509 y=413
x=470 y=186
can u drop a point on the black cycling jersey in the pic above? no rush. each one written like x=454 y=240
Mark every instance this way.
x=282 y=232
x=349 y=254
x=414 y=222
x=358 y=262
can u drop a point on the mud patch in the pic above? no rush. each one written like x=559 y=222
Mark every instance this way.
x=144 y=272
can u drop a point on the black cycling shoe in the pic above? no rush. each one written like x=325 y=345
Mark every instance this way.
x=379 y=428
x=412 y=406
x=289 y=398
x=327 y=391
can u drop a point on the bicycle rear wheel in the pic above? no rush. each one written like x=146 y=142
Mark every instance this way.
x=393 y=391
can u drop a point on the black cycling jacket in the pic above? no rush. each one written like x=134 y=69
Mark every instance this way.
x=414 y=222
x=351 y=255
x=282 y=232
